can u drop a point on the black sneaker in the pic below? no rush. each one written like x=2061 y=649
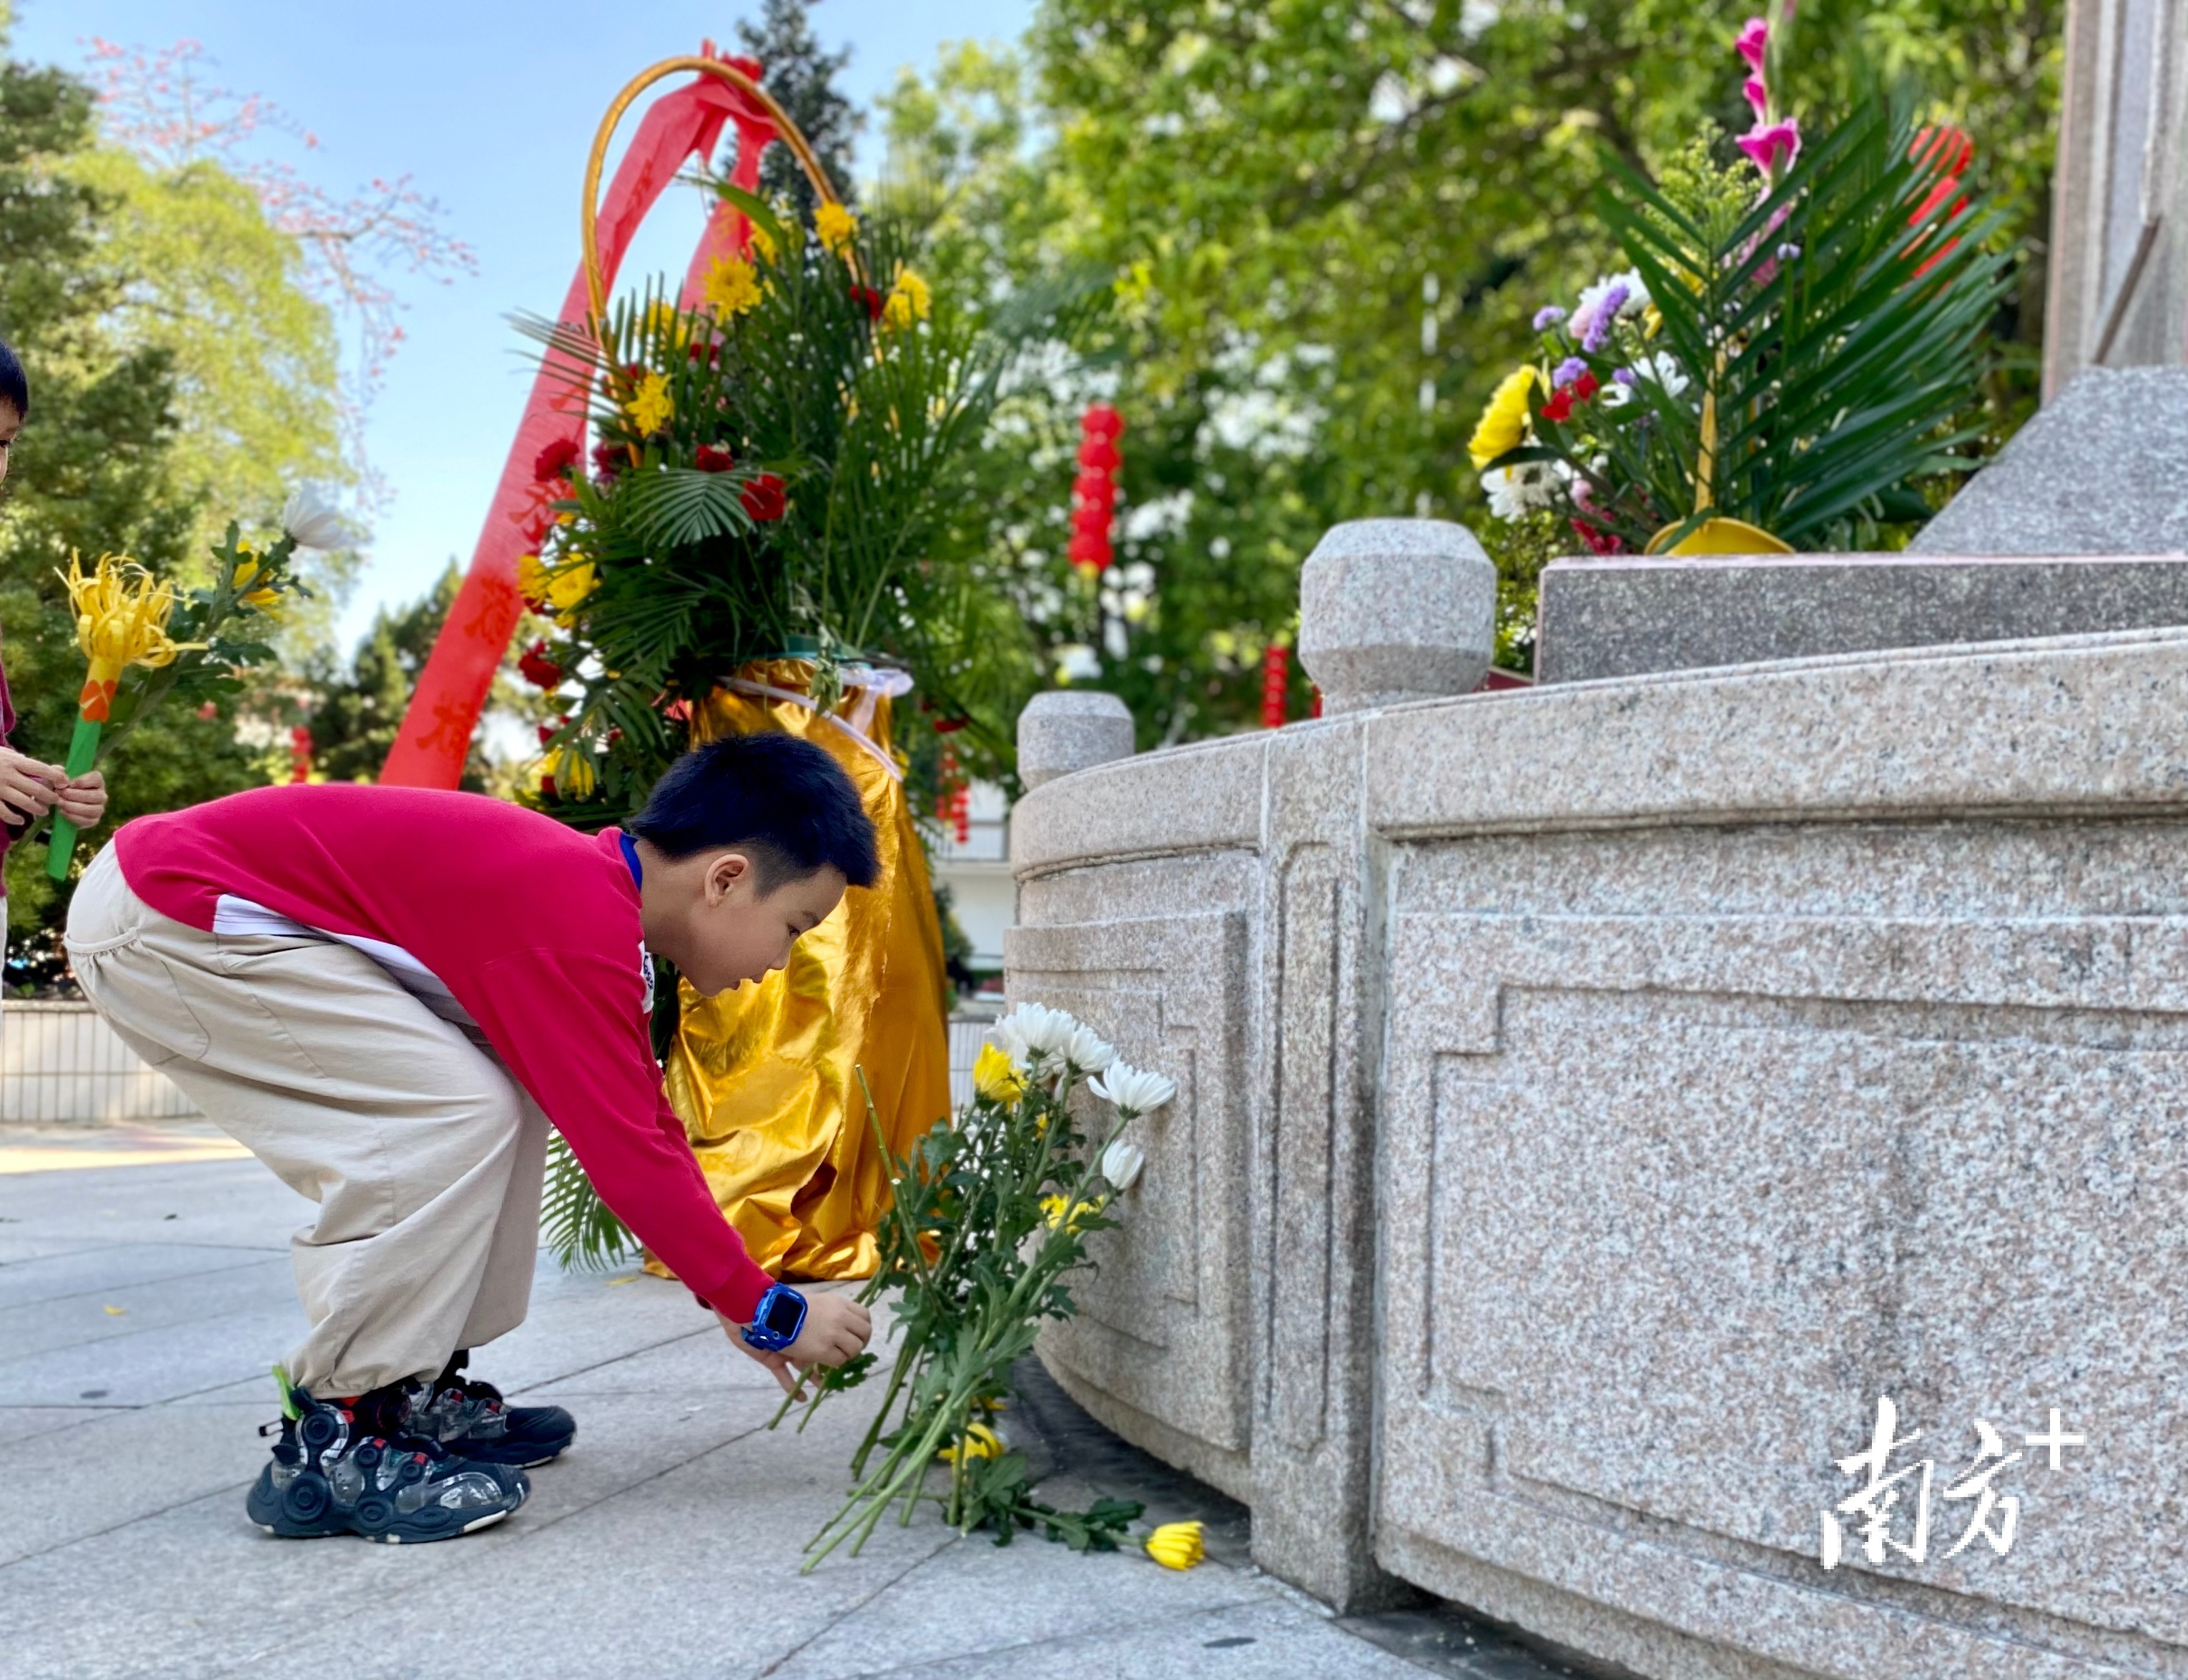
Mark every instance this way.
x=339 y=1468
x=471 y=1418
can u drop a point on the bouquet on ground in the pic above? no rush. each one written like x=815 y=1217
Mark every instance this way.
x=146 y=641
x=1794 y=350
x=990 y=1219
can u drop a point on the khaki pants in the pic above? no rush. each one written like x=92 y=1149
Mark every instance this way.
x=424 y=1154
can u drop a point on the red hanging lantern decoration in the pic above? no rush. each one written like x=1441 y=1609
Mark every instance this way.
x=1276 y=684
x=1094 y=492
x=299 y=754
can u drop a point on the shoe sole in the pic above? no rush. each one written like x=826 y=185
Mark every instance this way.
x=389 y=1539
x=405 y=1531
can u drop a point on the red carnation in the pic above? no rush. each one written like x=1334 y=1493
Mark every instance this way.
x=949 y=725
x=536 y=667
x=555 y=461
x=764 y=498
x=712 y=459
x=874 y=301
x=610 y=459
x=1559 y=407
x=1585 y=386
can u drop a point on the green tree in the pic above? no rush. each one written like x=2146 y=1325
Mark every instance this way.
x=1332 y=227
x=800 y=75
x=94 y=470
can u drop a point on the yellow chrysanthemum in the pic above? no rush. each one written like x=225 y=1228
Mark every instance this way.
x=571 y=585
x=247 y=568
x=980 y=1442
x=651 y=409
x=573 y=771
x=996 y=1077
x=732 y=287
x=665 y=320
x=1053 y=1207
x=1505 y=421
x=836 y=226
x=763 y=244
x=120 y=620
x=1177 y=1546
x=909 y=300
x=531 y=578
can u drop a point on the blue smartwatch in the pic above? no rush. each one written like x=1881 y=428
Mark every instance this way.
x=776 y=1322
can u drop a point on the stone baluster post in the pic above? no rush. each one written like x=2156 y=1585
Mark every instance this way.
x=1068 y=729
x=1391 y=611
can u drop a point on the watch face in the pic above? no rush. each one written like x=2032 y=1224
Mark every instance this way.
x=783 y=1314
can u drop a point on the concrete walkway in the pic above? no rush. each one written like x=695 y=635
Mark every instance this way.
x=140 y=1304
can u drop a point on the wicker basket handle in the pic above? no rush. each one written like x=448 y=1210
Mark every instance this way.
x=786 y=130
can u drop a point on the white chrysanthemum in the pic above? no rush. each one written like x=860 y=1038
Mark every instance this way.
x=1086 y=1050
x=1032 y=1034
x=1664 y=368
x=312 y=521
x=1134 y=1090
x=1515 y=492
x=1121 y=1163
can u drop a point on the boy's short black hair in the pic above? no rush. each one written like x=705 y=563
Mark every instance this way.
x=14 y=385
x=782 y=800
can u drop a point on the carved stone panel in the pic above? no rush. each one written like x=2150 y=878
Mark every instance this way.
x=1670 y=1200
x=1159 y=1350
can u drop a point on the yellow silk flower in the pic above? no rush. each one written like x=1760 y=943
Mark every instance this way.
x=909 y=300
x=1505 y=421
x=732 y=286
x=574 y=770
x=651 y=409
x=121 y=614
x=996 y=1077
x=836 y=227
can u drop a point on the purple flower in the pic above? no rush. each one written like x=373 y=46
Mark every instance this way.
x=1598 y=324
x=1548 y=317
x=1626 y=377
x=1568 y=370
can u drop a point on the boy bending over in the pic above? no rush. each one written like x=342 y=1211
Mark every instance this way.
x=387 y=994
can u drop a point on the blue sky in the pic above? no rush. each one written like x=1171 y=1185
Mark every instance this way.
x=491 y=109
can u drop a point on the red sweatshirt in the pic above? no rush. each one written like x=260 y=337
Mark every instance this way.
x=528 y=927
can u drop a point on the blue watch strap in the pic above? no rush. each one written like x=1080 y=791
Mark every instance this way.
x=777 y=1321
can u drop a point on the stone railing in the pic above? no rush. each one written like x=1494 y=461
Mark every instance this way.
x=1593 y=1099
x=59 y=1063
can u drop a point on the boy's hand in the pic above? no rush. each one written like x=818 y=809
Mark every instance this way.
x=27 y=788
x=836 y=1329
x=83 y=800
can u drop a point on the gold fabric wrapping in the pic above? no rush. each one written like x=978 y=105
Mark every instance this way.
x=763 y=1076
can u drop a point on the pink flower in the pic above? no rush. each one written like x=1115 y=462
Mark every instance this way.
x=1757 y=96
x=1753 y=42
x=1771 y=146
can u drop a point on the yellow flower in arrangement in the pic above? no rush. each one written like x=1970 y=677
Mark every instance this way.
x=651 y=409
x=568 y=585
x=732 y=287
x=996 y=1077
x=764 y=243
x=909 y=300
x=571 y=770
x=531 y=578
x=980 y=1442
x=1177 y=1546
x=1505 y=421
x=665 y=320
x=836 y=226
x=249 y=567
